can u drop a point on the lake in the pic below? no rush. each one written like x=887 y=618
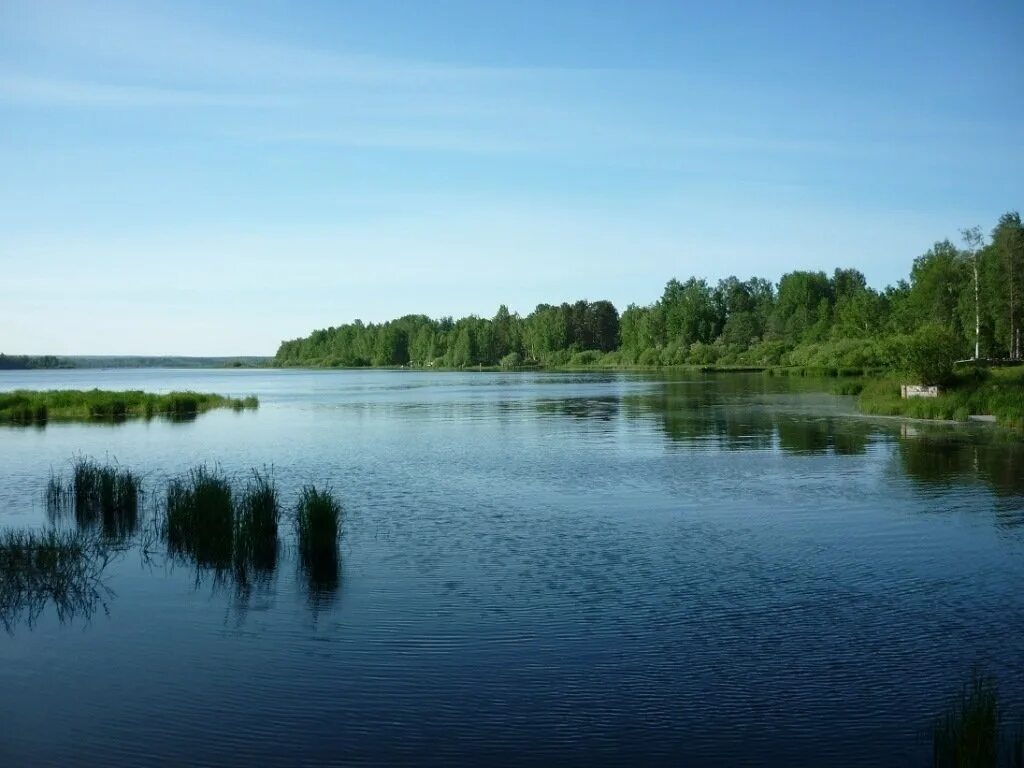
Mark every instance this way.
x=536 y=568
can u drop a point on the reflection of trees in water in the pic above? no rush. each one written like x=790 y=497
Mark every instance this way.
x=53 y=568
x=946 y=460
x=732 y=416
x=591 y=408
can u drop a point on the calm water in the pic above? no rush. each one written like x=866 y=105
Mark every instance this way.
x=588 y=569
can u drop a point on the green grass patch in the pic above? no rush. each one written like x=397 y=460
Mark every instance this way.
x=999 y=393
x=24 y=406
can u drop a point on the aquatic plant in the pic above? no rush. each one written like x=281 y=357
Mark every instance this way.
x=257 y=515
x=199 y=517
x=318 y=528
x=967 y=735
x=52 y=567
x=32 y=407
x=317 y=521
x=105 y=493
x=58 y=495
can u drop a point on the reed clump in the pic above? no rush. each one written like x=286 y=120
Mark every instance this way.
x=199 y=519
x=256 y=520
x=968 y=734
x=207 y=522
x=103 y=493
x=318 y=528
x=317 y=521
x=58 y=494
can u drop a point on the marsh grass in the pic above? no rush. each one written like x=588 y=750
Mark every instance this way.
x=59 y=568
x=317 y=521
x=32 y=407
x=318 y=528
x=968 y=734
x=102 y=493
x=256 y=520
x=58 y=495
x=199 y=518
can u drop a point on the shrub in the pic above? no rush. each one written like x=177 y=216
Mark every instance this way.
x=587 y=357
x=930 y=354
x=512 y=360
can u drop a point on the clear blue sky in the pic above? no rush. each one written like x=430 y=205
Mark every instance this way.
x=211 y=177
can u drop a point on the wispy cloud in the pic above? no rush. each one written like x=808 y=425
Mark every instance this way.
x=57 y=91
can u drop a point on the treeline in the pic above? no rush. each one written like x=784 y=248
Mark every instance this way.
x=25 y=362
x=807 y=319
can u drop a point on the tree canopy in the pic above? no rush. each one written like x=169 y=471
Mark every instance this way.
x=805 y=318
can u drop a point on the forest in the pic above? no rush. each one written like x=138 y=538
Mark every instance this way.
x=25 y=362
x=956 y=297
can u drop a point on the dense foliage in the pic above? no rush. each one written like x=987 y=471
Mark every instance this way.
x=808 y=319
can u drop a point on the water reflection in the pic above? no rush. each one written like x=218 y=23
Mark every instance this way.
x=62 y=570
x=321 y=577
x=947 y=460
x=727 y=416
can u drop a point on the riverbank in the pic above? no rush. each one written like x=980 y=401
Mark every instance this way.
x=25 y=406
x=998 y=393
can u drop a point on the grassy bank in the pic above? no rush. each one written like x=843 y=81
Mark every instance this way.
x=999 y=393
x=24 y=406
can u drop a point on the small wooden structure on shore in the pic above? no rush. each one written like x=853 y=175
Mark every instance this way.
x=919 y=390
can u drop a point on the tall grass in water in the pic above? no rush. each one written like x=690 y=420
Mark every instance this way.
x=40 y=568
x=968 y=734
x=104 y=493
x=257 y=515
x=318 y=527
x=199 y=517
x=58 y=495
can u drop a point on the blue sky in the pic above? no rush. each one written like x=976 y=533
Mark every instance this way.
x=213 y=177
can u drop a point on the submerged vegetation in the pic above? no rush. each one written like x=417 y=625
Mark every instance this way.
x=24 y=406
x=59 y=568
x=807 y=319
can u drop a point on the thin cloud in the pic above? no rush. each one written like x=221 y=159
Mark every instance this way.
x=55 y=91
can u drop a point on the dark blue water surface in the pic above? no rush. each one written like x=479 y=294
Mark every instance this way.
x=535 y=569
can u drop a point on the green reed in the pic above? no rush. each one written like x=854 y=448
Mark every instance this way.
x=256 y=519
x=199 y=517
